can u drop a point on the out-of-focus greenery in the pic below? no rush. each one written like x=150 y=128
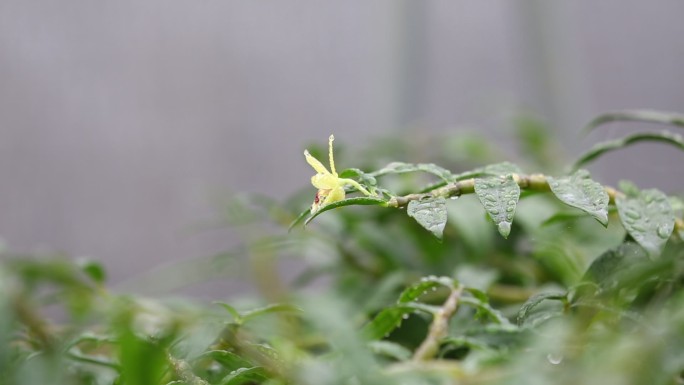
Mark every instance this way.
x=582 y=291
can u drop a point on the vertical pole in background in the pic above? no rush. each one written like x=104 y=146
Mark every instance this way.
x=408 y=54
x=554 y=77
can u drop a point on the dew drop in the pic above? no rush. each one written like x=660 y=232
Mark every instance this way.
x=494 y=211
x=511 y=202
x=664 y=231
x=639 y=228
x=405 y=316
x=490 y=198
x=510 y=209
x=632 y=214
x=554 y=359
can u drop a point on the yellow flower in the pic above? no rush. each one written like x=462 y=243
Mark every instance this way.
x=330 y=186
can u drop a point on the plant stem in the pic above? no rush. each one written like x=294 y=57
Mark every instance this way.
x=183 y=370
x=439 y=327
x=93 y=360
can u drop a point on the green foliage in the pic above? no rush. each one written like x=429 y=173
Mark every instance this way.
x=648 y=218
x=579 y=191
x=430 y=213
x=559 y=299
x=604 y=147
x=647 y=116
x=499 y=196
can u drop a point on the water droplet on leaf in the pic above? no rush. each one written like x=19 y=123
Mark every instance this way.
x=632 y=214
x=664 y=231
x=554 y=359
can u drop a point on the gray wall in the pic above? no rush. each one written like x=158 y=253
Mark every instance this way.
x=120 y=119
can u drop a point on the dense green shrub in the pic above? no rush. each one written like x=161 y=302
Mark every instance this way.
x=532 y=275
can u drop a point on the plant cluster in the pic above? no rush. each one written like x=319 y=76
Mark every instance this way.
x=527 y=277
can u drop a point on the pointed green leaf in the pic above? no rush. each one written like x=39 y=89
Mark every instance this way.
x=499 y=196
x=501 y=169
x=402 y=168
x=244 y=376
x=601 y=148
x=299 y=219
x=430 y=213
x=578 y=190
x=227 y=359
x=390 y=349
x=484 y=309
x=648 y=218
x=497 y=169
x=94 y=270
x=237 y=318
x=535 y=300
x=386 y=321
x=432 y=282
x=363 y=201
x=363 y=178
x=629 y=188
x=391 y=317
x=647 y=116
x=274 y=308
x=611 y=262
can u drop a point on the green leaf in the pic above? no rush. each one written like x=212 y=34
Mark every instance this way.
x=485 y=310
x=385 y=322
x=469 y=342
x=648 y=218
x=274 y=308
x=497 y=169
x=535 y=300
x=563 y=216
x=390 y=318
x=601 y=148
x=245 y=375
x=363 y=178
x=94 y=270
x=499 y=196
x=299 y=218
x=430 y=213
x=390 y=349
x=237 y=318
x=432 y=282
x=363 y=201
x=578 y=190
x=611 y=262
x=629 y=188
x=647 y=116
x=402 y=168
x=501 y=169
x=227 y=359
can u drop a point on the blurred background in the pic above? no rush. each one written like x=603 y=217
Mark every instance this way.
x=122 y=122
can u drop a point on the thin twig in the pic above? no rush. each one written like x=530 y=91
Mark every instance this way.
x=439 y=327
x=183 y=370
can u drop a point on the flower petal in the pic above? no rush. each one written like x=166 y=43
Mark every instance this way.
x=318 y=166
x=335 y=195
x=325 y=181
